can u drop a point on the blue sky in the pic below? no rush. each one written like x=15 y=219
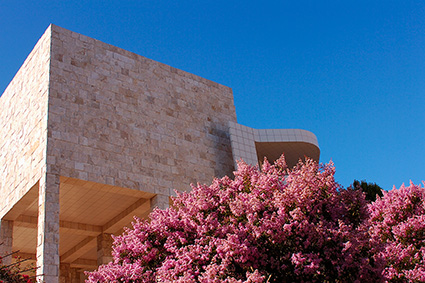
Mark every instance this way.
x=352 y=72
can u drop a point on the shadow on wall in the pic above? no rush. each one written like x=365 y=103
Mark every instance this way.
x=220 y=142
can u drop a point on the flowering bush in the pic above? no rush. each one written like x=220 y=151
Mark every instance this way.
x=268 y=225
x=398 y=222
x=12 y=274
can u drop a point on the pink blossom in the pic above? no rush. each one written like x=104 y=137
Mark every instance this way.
x=271 y=224
x=398 y=223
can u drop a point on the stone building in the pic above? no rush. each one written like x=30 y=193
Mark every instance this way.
x=92 y=135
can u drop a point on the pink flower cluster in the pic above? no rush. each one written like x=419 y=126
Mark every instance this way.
x=398 y=224
x=271 y=225
x=12 y=273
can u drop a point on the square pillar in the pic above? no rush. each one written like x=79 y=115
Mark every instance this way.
x=6 y=237
x=48 y=229
x=104 y=248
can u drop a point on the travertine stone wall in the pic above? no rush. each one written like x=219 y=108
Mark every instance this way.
x=104 y=248
x=84 y=109
x=6 y=237
x=121 y=119
x=47 y=251
x=23 y=126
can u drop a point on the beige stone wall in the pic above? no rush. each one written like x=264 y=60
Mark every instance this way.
x=122 y=119
x=23 y=126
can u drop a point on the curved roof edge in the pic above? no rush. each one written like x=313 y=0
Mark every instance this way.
x=252 y=145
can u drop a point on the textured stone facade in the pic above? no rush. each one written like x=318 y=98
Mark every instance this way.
x=23 y=127
x=84 y=114
x=121 y=119
x=93 y=134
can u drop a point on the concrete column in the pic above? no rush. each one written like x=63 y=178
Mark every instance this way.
x=6 y=237
x=104 y=248
x=48 y=229
x=160 y=201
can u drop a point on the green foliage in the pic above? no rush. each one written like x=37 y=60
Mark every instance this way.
x=370 y=189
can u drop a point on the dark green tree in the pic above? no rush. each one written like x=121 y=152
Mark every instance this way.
x=370 y=189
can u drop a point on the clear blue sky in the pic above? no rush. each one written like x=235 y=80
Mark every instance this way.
x=352 y=72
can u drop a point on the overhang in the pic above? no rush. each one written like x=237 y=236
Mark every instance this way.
x=252 y=145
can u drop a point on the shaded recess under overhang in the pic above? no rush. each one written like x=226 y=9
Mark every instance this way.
x=252 y=145
x=87 y=209
x=294 y=151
